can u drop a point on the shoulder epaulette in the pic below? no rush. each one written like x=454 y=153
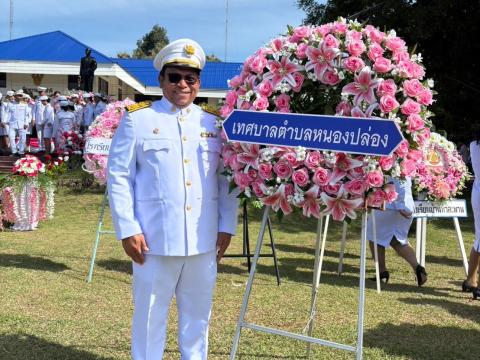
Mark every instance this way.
x=139 y=106
x=210 y=109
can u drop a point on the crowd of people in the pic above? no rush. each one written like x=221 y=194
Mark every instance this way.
x=49 y=117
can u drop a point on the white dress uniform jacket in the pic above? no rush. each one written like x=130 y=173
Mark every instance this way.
x=38 y=111
x=4 y=117
x=164 y=180
x=20 y=115
x=88 y=114
x=49 y=120
x=100 y=107
x=390 y=223
x=78 y=115
x=64 y=121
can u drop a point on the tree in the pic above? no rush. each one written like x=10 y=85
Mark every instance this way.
x=443 y=31
x=213 y=58
x=151 y=43
x=123 y=55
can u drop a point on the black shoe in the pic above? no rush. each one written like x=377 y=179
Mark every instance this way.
x=466 y=287
x=476 y=293
x=421 y=275
x=384 y=277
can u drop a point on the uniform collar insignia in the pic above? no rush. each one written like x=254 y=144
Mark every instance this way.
x=156 y=131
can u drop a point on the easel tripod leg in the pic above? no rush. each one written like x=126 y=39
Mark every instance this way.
x=461 y=245
x=377 y=270
x=361 y=299
x=342 y=248
x=248 y=288
x=274 y=251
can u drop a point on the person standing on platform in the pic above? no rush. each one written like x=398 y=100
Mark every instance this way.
x=100 y=105
x=470 y=284
x=19 y=117
x=48 y=121
x=170 y=205
x=392 y=226
x=88 y=112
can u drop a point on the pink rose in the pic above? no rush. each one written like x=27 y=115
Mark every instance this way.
x=332 y=189
x=283 y=169
x=277 y=44
x=299 y=78
x=301 y=51
x=300 y=33
x=441 y=189
x=394 y=44
x=415 y=122
x=225 y=110
x=323 y=30
x=354 y=35
x=375 y=51
x=410 y=107
x=387 y=87
x=382 y=65
x=258 y=64
x=246 y=105
x=257 y=188
x=386 y=162
x=343 y=108
x=402 y=149
x=356 y=47
x=340 y=27
x=241 y=179
x=291 y=157
x=418 y=72
x=401 y=55
x=376 y=198
x=265 y=88
x=353 y=63
x=390 y=192
x=231 y=98
x=313 y=159
x=283 y=101
x=330 y=78
x=252 y=173
x=236 y=81
x=261 y=103
x=415 y=155
x=412 y=87
x=425 y=97
x=355 y=187
x=405 y=68
x=374 y=178
x=300 y=177
x=408 y=167
x=423 y=136
x=331 y=41
x=388 y=103
x=321 y=176
x=374 y=34
x=265 y=171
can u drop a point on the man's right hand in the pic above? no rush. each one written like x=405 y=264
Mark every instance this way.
x=135 y=246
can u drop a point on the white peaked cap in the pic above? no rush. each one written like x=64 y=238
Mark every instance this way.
x=10 y=93
x=44 y=97
x=19 y=92
x=41 y=88
x=182 y=52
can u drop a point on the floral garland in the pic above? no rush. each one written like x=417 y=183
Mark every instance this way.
x=341 y=68
x=442 y=173
x=72 y=142
x=104 y=127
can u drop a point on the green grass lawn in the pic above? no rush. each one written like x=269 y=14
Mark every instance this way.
x=48 y=311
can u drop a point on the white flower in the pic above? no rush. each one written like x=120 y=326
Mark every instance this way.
x=430 y=83
x=66 y=158
x=55 y=163
x=247 y=192
x=279 y=180
x=300 y=153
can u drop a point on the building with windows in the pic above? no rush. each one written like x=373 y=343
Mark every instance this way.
x=52 y=60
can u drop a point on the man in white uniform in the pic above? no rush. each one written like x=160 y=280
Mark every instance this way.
x=19 y=118
x=88 y=111
x=38 y=112
x=170 y=206
x=78 y=111
x=48 y=121
x=5 y=120
x=100 y=105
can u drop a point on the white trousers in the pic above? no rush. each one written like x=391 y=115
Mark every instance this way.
x=22 y=139
x=40 y=136
x=192 y=280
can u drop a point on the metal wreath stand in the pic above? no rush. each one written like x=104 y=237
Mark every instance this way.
x=322 y=229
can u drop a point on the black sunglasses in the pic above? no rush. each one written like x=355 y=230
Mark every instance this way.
x=175 y=78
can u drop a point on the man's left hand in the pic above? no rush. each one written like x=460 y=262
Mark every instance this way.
x=223 y=240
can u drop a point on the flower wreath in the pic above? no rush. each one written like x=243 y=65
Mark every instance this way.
x=104 y=127
x=342 y=68
x=442 y=174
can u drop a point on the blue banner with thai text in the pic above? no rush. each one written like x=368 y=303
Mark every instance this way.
x=369 y=136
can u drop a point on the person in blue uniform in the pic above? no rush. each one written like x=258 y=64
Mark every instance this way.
x=392 y=226
x=170 y=205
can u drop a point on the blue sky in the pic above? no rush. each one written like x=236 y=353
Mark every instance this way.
x=111 y=26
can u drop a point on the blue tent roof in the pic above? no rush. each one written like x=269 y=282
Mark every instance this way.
x=53 y=46
x=213 y=76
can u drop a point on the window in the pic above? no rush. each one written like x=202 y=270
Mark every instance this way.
x=3 y=80
x=73 y=82
x=102 y=86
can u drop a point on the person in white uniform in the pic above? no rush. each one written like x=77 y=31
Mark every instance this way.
x=88 y=112
x=48 y=121
x=31 y=124
x=471 y=282
x=4 y=113
x=19 y=117
x=77 y=110
x=100 y=105
x=38 y=112
x=171 y=206
x=392 y=226
x=64 y=122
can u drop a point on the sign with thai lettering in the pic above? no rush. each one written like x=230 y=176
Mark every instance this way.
x=99 y=146
x=444 y=209
x=369 y=136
